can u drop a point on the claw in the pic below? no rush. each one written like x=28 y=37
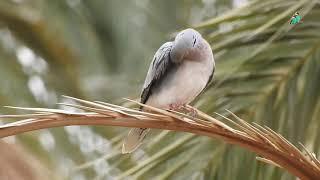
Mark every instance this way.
x=185 y=109
x=191 y=111
x=194 y=112
x=175 y=107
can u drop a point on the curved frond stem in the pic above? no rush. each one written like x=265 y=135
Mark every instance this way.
x=269 y=145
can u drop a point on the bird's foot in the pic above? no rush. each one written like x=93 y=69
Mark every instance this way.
x=191 y=111
x=176 y=107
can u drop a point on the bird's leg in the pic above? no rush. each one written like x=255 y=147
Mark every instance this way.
x=175 y=107
x=191 y=110
x=184 y=108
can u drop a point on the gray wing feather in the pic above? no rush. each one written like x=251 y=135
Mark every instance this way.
x=160 y=64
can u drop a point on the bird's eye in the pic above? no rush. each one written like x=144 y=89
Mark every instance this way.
x=194 y=41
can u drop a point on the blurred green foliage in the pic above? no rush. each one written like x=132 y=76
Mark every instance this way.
x=267 y=71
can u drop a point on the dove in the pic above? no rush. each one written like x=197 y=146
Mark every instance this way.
x=179 y=72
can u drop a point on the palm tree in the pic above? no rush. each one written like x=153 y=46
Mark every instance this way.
x=267 y=72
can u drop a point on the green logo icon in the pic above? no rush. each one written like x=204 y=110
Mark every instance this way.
x=295 y=19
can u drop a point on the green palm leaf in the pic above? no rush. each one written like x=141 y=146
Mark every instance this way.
x=267 y=72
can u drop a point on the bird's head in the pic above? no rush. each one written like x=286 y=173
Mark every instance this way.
x=186 y=42
x=296 y=14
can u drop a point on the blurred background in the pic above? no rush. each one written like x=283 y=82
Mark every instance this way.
x=267 y=71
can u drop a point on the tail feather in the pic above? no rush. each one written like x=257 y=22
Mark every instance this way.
x=134 y=139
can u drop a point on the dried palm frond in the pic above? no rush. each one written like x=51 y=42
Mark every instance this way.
x=269 y=145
